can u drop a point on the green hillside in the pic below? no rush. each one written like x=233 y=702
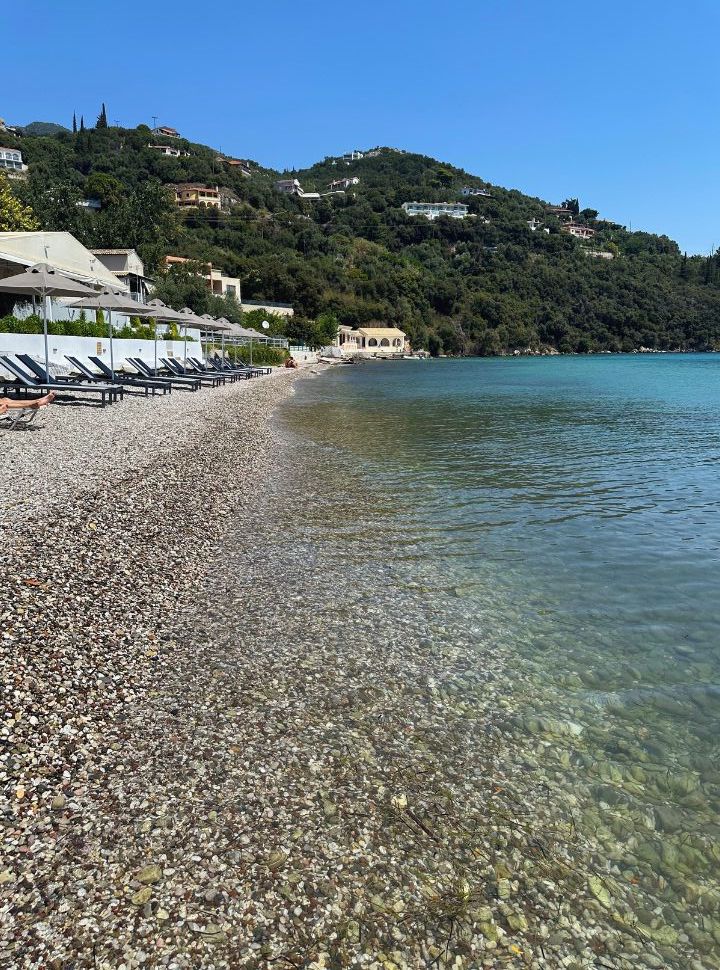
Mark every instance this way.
x=486 y=284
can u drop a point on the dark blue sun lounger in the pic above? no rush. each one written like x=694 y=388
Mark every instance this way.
x=208 y=380
x=208 y=367
x=185 y=383
x=25 y=382
x=127 y=380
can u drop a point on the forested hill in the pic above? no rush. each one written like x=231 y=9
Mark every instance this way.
x=486 y=284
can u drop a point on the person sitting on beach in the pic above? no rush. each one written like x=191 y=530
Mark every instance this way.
x=8 y=403
x=291 y=362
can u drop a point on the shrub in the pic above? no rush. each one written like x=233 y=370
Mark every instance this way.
x=261 y=354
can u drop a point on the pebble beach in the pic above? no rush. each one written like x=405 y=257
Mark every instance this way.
x=218 y=750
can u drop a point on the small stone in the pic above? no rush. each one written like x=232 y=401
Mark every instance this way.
x=58 y=803
x=149 y=875
x=213 y=933
x=277 y=859
x=142 y=896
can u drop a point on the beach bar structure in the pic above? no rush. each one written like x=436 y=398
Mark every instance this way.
x=18 y=250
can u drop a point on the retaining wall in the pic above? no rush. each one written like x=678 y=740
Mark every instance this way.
x=83 y=347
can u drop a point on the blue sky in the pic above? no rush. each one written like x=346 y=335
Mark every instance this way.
x=613 y=102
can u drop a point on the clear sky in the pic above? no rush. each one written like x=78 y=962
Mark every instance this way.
x=613 y=102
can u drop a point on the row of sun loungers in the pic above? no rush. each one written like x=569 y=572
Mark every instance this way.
x=96 y=379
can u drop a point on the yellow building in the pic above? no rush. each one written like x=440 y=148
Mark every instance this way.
x=191 y=195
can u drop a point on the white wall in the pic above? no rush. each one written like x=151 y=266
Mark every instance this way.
x=304 y=356
x=83 y=347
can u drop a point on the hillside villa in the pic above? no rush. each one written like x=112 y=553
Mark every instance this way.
x=560 y=211
x=192 y=195
x=11 y=161
x=293 y=187
x=472 y=190
x=170 y=151
x=165 y=132
x=433 y=210
x=237 y=163
x=580 y=232
x=370 y=341
x=343 y=183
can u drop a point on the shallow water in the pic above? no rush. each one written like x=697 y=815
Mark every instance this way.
x=571 y=504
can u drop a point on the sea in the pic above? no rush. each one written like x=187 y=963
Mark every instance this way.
x=571 y=504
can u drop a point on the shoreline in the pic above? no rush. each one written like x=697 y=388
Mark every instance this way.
x=210 y=763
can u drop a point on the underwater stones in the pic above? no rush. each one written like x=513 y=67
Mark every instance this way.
x=664 y=935
x=517 y=922
x=599 y=890
x=551 y=726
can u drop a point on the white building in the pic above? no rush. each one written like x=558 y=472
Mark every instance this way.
x=11 y=160
x=371 y=341
x=580 y=232
x=293 y=187
x=289 y=187
x=433 y=210
x=471 y=190
x=129 y=269
x=170 y=151
x=343 y=183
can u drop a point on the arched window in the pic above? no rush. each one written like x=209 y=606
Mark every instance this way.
x=384 y=342
x=372 y=342
x=396 y=342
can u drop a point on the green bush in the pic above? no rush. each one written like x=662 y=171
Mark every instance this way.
x=261 y=354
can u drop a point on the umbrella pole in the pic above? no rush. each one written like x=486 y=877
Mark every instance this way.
x=185 y=351
x=251 y=351
x=45 y=334
x=110 y=336
x=155 y=366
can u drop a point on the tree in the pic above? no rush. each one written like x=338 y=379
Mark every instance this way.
x=104 y=187
x=326 y=326
x=14 y=216
x=82 y=123
x=74 y=124
x=102 y=118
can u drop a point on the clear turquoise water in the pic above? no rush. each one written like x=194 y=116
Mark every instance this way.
x=573 y=503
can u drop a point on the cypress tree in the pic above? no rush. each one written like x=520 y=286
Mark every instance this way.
x=74 y=124
x=102 y=118
x=82 y=123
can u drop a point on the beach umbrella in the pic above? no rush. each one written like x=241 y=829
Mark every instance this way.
x=191 y=319
x=163 y=314
x=110 y=300
x=219 y=325
x=227 y=327
x=44 y=280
